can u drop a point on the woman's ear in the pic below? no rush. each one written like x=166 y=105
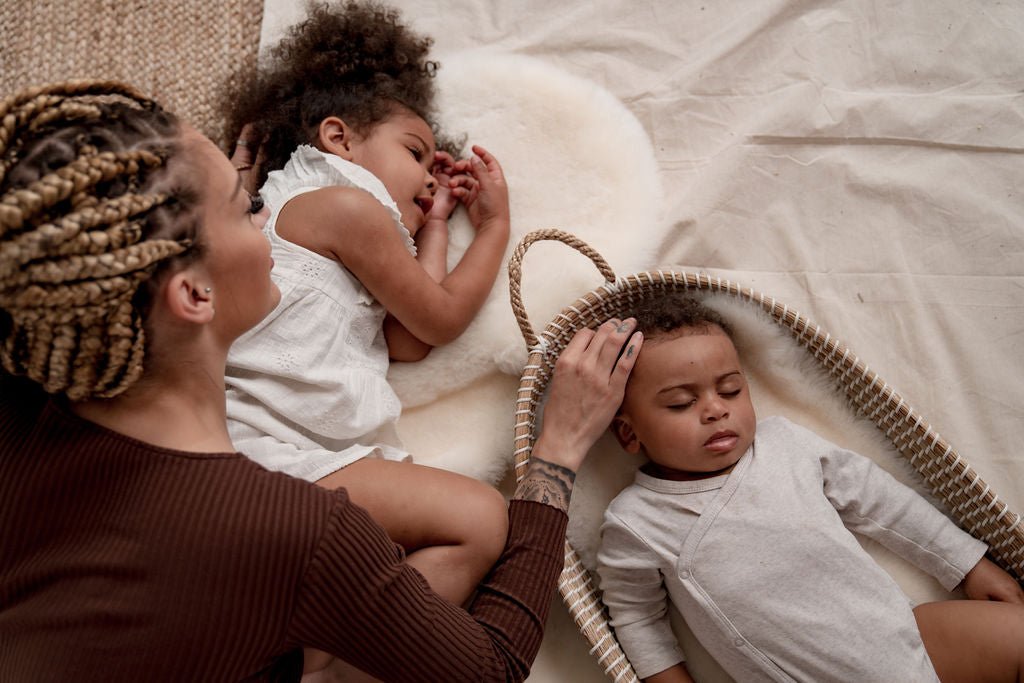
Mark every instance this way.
x=336 y=137
x=624 y=434
x=188 y=297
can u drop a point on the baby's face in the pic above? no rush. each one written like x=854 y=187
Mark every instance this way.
x=687 y=405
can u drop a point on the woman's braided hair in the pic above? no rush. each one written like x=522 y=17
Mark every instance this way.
x=354 y=60
x=81 y=229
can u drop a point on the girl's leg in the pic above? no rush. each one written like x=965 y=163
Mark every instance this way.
x=453 y=528
x=973 y=641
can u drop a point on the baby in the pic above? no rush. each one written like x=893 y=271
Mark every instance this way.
x=749 y=536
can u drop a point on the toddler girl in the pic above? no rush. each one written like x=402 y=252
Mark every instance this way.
x=358 y=228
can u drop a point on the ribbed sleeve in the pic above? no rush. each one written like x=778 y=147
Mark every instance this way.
x=363 y=602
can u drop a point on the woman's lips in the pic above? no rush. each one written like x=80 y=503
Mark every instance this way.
x=722 y=442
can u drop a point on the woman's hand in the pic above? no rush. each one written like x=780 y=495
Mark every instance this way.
x=245 y=158
x=586 y=391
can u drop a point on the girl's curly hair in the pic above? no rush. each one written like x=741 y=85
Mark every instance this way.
x=355 y=61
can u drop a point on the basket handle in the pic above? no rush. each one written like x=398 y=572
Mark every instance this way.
x=515 y=272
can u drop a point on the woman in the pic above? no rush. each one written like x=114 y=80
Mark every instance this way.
x=136 y=544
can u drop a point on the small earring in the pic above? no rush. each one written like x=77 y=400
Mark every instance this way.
x=207 y=290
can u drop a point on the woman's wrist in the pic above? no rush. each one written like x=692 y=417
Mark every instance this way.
x=548 y=483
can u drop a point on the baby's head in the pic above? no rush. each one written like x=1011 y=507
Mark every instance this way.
x=687 y=405
x=342 y=77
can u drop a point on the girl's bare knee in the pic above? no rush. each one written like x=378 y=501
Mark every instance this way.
x=486 y=513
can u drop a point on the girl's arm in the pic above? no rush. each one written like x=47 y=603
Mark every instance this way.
x=352 y=227
x=431 y=252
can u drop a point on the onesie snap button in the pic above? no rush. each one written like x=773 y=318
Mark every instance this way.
x=738 y=642
x=684 y=575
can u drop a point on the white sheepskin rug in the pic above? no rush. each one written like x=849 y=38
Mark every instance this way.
x=576 y=159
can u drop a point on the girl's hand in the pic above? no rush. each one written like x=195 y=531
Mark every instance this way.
x=482 y=190
x=448 y=193
x=987 y=581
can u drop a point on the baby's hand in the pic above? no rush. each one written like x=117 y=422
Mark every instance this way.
x=483 y=190
x=987 y=581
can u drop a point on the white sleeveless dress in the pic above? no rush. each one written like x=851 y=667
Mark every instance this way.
x=307 y=389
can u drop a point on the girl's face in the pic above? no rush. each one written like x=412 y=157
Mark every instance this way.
x=400 y=152
x=237 y=254
x=687 y=405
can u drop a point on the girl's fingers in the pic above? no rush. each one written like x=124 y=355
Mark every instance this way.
x=488 y=161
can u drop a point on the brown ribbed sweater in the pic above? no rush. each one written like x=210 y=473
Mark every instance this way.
x=121 y=561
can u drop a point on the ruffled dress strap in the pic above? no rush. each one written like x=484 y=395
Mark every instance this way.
x=310 y=169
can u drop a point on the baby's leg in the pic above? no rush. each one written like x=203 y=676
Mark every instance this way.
x=973 y=641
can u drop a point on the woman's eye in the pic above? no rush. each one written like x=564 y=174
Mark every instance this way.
x=730 y=394
x=255 y=204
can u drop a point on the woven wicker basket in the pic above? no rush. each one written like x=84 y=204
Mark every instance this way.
x=972 y=502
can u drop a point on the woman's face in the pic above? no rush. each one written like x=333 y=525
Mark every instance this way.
x=236 y=253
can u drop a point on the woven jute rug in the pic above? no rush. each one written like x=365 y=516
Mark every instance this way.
x=180 y=52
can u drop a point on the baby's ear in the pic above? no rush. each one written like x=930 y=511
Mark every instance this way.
x=335 y=136
x=624 y=434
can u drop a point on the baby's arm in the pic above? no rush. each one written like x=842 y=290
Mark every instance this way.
x=988 y=581
x=673 y=674
x=872 y=502
x=637 y=601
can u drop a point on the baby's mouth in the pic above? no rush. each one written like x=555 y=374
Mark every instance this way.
x=721 y=441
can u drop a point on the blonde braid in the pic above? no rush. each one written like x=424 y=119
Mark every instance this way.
x=78 y=243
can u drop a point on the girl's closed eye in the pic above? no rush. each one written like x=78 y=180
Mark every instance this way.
x=416 y=152
x=255 y=204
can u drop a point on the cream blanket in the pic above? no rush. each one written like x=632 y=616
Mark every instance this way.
x=860 y=161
